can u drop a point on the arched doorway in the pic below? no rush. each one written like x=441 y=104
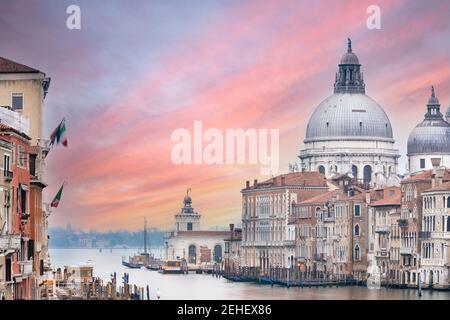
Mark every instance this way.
x=321 y=170
x=431 y=278
x=217 y=253
x=367 y=174
x=192 y=254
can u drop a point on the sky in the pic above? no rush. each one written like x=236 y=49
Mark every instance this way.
x=136 y=72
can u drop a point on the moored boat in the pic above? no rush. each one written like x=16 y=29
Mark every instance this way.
x=173 y=267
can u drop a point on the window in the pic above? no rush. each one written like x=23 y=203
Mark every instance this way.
x=6 y=165
x=17 y=101
x=422 y=163
x=357 y=230
x=189 y=226
x=357 y=210
x=21 y=157
x=356 y=253
x=33 y=164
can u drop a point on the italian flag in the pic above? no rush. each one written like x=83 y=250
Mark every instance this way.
x=57 y=198
x=59 y=134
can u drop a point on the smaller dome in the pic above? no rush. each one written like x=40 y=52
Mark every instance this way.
x=432 y=135
x=349 y=57
x=187 y=200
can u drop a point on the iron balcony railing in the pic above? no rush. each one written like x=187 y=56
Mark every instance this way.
x=406 y=250
x=382 y=228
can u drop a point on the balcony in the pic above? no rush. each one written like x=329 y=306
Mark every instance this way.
x=406 y=251
x=382 y=253
x=402 y=223
x=7 y=175
x=289 y=243
x=382 y=229
x=335 y=238
x=328 y=219
x=26 y=267
x=10 y=242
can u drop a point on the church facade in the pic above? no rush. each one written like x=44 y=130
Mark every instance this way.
x=188 y=242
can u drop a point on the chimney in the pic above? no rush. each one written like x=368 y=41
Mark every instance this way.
x=255 y=182
x=437 y=173
x=283 y=180
x=247 y=184
x=232 y=230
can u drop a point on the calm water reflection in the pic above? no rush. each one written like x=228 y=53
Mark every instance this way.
x=200 y=286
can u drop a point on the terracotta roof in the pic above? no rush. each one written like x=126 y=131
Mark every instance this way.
x=427 y=175
x=306 y=178
x=8 y=66
x=324 y=197
x=388 y=201
x=6 y=128
x=441 y=187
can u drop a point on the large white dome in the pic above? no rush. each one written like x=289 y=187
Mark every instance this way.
x=349 y=116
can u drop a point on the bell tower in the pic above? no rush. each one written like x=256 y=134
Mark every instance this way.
x=187 y=219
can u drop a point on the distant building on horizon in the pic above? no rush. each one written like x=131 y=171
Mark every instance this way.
x=187 y=240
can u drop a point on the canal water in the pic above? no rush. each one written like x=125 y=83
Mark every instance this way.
x=207 y=287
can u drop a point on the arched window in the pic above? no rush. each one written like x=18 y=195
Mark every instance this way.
x=357 y=230
x=356 y=255
x=192 y=254
x=448 y=202
x=355 y=171
x=367 y=174
x=321 y=170
x=448 y=223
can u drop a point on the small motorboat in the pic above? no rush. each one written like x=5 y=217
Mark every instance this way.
x=173 y=267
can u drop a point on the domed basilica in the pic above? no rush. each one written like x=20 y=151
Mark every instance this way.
x=349 y=132
x=430 y=138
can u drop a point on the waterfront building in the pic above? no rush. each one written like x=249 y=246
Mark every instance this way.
x=384 y=234
x=9 y=243
x=315 y=228
x=266 y=213
x=435 y=235
x=349 y=132
x=22 y=93
x=411 y=218
x=430 y=138
x=187 y=241
x=22 y=259
x=232 y=260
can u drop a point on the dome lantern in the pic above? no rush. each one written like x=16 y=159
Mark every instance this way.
x=349 y=77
